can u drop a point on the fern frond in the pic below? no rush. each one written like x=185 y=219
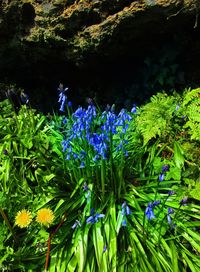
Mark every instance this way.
x=190 y=96
x=192 y=109
x=155 y=116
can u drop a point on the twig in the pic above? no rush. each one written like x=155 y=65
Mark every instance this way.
x=175 y=14
x=8 y=224
x=49 y=242
x=196 y=20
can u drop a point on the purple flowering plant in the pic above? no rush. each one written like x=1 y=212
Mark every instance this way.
x=96 y=141
x=124 y=200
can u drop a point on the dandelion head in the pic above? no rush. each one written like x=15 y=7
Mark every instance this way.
x=23 y=218
x=45 y=216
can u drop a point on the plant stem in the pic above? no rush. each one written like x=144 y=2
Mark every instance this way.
x=8 y=224
x=49 y=242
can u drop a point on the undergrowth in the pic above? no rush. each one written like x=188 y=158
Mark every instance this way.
x=101 y=191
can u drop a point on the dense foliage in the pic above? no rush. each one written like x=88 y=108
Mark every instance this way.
x=101 y=191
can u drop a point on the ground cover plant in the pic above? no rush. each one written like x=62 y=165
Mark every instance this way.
x=100 y=190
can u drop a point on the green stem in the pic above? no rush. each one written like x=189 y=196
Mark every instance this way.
x=158 y=182
x=103 y=172
x=161 y=209
x=8 y=224
x=159 y=235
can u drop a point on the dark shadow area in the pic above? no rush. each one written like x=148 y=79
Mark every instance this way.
x=126 y=71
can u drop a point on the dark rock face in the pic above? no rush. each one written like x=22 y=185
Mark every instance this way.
x=97 y=44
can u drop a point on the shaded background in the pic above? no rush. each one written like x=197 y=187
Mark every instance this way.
x=119 y=52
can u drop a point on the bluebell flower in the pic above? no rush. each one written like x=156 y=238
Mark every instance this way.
x=82 y=165
x=104 y=249
x=124 y=115
x=125 y=209
x=170 y=211
x=184 y=201
x=177 y=107
x=109 y=125
x=75 y=156
x=156 y=203
x=91 y=112
x=63 y=102
x=161 y=177
x=121 y=147
x=85 y=187
x=76 y=224
x=87 y=190
x=169 y=220
x=65 y=145
x=79 y=113
x=165 y=168
x=171 y=192
x=96 y=158
x=24 y=98
x=94 y=218
x=69 y=104
x=99 y=144
x=124 y=223
x=124 y=129
x=89 y=101
x=64 y=121
x=134 y=109
x=125 y=212
x=87 y=195
x=122 y=120
x=5 y=152
x=62 y=97
x=149 y=212
x=82 y=154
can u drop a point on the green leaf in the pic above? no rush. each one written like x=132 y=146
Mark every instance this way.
x=99 y=244
x=195 y=193
x=27 y=142
x=178 y=155
x=174 y=257
x=49 y=177
x=173 y=173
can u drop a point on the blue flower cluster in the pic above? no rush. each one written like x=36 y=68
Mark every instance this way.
x=149 y=210
x=90 y=135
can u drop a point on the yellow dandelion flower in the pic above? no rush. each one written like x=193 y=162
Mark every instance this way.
x=23 y=218
x=45 y=216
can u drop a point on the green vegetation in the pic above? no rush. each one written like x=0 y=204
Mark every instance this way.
x=101 y=191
